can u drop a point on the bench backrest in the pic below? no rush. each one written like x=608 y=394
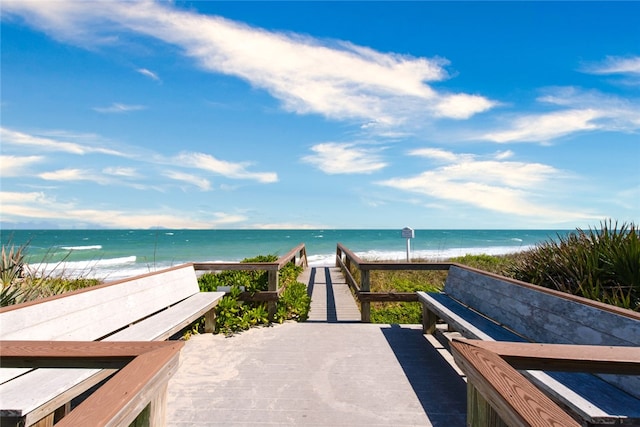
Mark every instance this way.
x=539 y=315
x=93 y=313
x=546 y=316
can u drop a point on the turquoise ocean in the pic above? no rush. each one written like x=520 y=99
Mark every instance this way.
x=115 y=254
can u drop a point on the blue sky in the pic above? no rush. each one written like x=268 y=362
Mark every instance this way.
x=319 y=114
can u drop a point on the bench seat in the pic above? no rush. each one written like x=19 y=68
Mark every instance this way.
x=150 y=315
x=592 y=398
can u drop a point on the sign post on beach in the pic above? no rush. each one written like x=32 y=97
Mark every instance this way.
x=408 y=234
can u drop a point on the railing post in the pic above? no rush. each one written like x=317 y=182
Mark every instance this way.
x=273 y=286
x=365 y=306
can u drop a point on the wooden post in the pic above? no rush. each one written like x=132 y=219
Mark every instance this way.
x=429 y=320
x=479 y=412
x=210 y=321
x=273 y=286
x=365 y=306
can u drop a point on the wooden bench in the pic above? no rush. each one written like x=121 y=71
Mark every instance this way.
x=489 y=307
x=150 y=307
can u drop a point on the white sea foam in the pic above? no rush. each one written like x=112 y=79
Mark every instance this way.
x=429 y=255
x=99 y=269
x=82 y=248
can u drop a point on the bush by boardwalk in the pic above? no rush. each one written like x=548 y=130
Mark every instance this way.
x=234 y=315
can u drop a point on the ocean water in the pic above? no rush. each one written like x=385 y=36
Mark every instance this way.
x=115 y=254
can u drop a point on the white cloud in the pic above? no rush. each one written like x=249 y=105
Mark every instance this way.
x=202 y=183
x=221 y=167
x=13 y=137
x=545 y=127
x=121 y=172
x=336 y=79
x=17 y=165
x=36 y=205
x=344 y=158
x=73 y=175
x=119 y=108
x=615 y=65
x=503 y=186
x=583 y=111
x=148 y=73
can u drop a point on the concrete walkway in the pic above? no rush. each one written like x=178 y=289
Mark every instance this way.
x=334 y=372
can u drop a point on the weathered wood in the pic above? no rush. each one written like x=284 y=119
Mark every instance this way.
x=144 y=297
x=544 y=316
x=479 y=411
x=121 y=398
x=489 y=307
x=388 y=296
x=512 y=396
x=566 y=358
x=365 y=306
x=235 y=266
x=109 y=308
x=429 y=320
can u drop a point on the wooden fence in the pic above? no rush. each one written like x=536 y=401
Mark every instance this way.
x=348 y=261
x=297 y=256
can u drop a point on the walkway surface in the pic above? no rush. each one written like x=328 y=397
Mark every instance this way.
x=334 y=372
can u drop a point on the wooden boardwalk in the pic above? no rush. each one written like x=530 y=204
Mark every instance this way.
x=329 y=371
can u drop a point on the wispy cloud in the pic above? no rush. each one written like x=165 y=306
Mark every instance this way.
x=581 y=111
x=149 y=73
x=344 y=158
x=117 y=108
x=11 y=166
x=73 y=175
x=17 y=138
x=336 y=79
x=36 y=205
x=502 y=186
x=202 y=183
x=615 y=65
x=221 y=167
x=121 y=172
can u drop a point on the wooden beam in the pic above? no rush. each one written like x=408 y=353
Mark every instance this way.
x=388 y=296
x=565 y=357
x=517 y=401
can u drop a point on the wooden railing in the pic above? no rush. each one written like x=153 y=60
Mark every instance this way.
x=297 y=256
x=137 y=392
x=498 y=394
x=347 y=260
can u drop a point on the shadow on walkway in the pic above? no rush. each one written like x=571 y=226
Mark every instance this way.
x=439 y=388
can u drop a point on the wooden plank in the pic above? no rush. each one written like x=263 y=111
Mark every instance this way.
x=119 y=401
x=67 y=318
x=568 y=358
x=163 y=325
x=587 y=396
x=516 y=400
x=468 y=322
x=545 y=317
x=388 y=296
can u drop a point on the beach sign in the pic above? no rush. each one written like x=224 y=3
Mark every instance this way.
x=408 y=233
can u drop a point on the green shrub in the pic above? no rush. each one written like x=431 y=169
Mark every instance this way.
x=603 y=265
x=294 y=303
x=19 y=285
x=234 y=315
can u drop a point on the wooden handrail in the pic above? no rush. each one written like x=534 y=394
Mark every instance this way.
x=362 y=290
x=491 y=366
x=146 y=367
x=272 y=268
